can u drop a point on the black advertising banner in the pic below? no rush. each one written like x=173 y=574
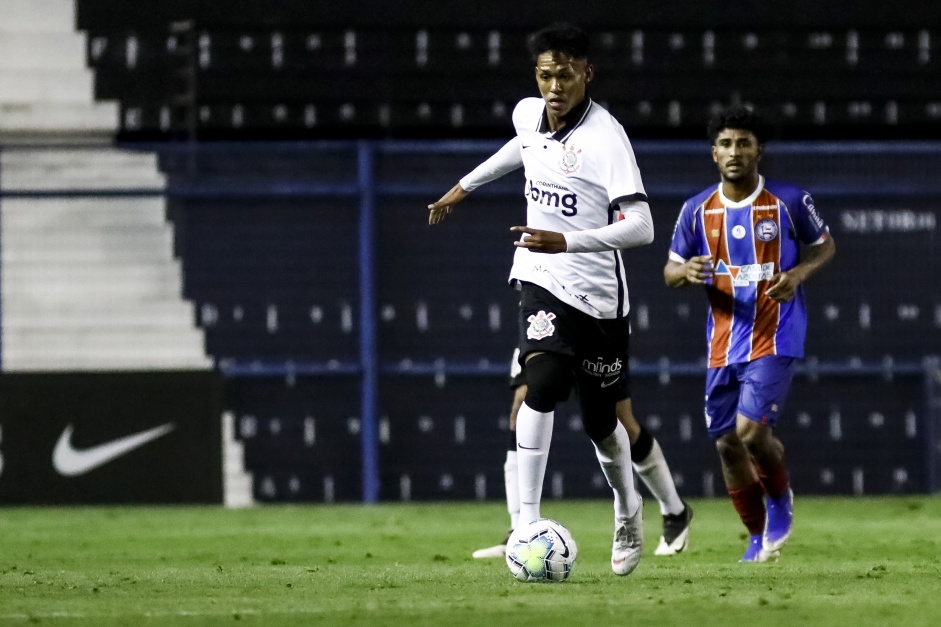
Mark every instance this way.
x=110 y=437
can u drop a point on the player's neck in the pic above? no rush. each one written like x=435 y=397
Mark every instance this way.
x=557 y=123
x=739 y=190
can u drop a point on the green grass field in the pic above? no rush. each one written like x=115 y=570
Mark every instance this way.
x=849 y=562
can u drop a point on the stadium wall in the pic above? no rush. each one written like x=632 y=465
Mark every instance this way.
x=365 y=353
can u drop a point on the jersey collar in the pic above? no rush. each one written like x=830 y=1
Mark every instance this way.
x=573 y=119
x=746 y=202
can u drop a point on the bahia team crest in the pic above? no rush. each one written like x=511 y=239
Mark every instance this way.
x=766 y=230
x=540 y=325
x=570 y=162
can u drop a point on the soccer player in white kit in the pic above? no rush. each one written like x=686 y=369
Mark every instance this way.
x=580 y=172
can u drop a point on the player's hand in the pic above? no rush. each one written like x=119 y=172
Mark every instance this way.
x=782 y=287
x=699 y=269
x=438 y=210
x=540 y=241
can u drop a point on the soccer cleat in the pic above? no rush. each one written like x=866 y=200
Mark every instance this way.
x=675 y=536
x=497 y=550
x=755 y=552
x=628 y=541
x=778 y=522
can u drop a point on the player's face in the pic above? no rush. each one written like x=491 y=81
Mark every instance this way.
x=562 y=81
x=737 y=153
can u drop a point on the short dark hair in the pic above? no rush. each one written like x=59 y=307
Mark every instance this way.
x=560 y=37
x=740 y=117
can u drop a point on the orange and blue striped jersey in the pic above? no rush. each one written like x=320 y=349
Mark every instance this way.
x=750 y=241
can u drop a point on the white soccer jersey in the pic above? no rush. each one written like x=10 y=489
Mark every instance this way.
x=575 y=179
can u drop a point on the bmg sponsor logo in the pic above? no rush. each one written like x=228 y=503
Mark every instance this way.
x=552 y=195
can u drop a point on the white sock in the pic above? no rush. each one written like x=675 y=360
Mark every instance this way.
x=533 y=435
x=511 y=480
x=655 y=474
x=614 y=455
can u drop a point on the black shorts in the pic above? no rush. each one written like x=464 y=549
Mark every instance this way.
x=599 y=348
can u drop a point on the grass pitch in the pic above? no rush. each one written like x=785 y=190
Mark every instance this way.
x=858 y=561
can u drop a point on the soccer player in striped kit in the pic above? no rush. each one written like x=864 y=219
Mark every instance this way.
x=752 y=242
x=580 y=172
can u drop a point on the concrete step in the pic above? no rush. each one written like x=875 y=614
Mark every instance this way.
x=95 y=158
x=175 y=314
x=75 y=213
x=37 y=15
x=98 y=274
x=32 y=244
x=62 y=291
x=81 y=168
x=102 y=360
x=24 y=86
x=143 y=339
x=42 y=51
x=69 y=118
x=81 y=254
x=140 y=178
x=131 y=182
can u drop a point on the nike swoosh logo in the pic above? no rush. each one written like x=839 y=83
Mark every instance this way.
x=607 y=384
x=69 y=461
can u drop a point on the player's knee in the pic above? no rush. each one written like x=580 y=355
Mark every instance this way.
x=752 y=434
x=548 y=381
x=641 y=448
x=730 y=448
x=599 y=418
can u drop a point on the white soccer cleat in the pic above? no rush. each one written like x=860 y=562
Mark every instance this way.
x=628 y=542
x=497 y=550
x=675 y=536
x=490 y=552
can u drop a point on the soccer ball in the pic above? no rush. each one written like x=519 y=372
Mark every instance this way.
x=542 y=550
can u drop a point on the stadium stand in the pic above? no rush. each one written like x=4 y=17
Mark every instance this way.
x=444 y=317
x=45 y=87
x=364 y=353
x=315 y=71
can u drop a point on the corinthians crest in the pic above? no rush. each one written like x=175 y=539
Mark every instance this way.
x=540 y=325
x=571 y=160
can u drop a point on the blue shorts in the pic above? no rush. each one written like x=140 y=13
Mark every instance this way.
x=756 y=389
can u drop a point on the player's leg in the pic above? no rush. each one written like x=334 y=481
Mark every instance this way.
x=765 y=384
x=602 y=373
x=741 y=480
x=510 y=473
x=545 y=326
x=652 y=468
x=510 y=468
x=548 y=377
x=613 y=449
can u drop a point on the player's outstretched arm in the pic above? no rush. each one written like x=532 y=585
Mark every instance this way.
x=697 y=270
x=438 y=210
x=505 y=160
